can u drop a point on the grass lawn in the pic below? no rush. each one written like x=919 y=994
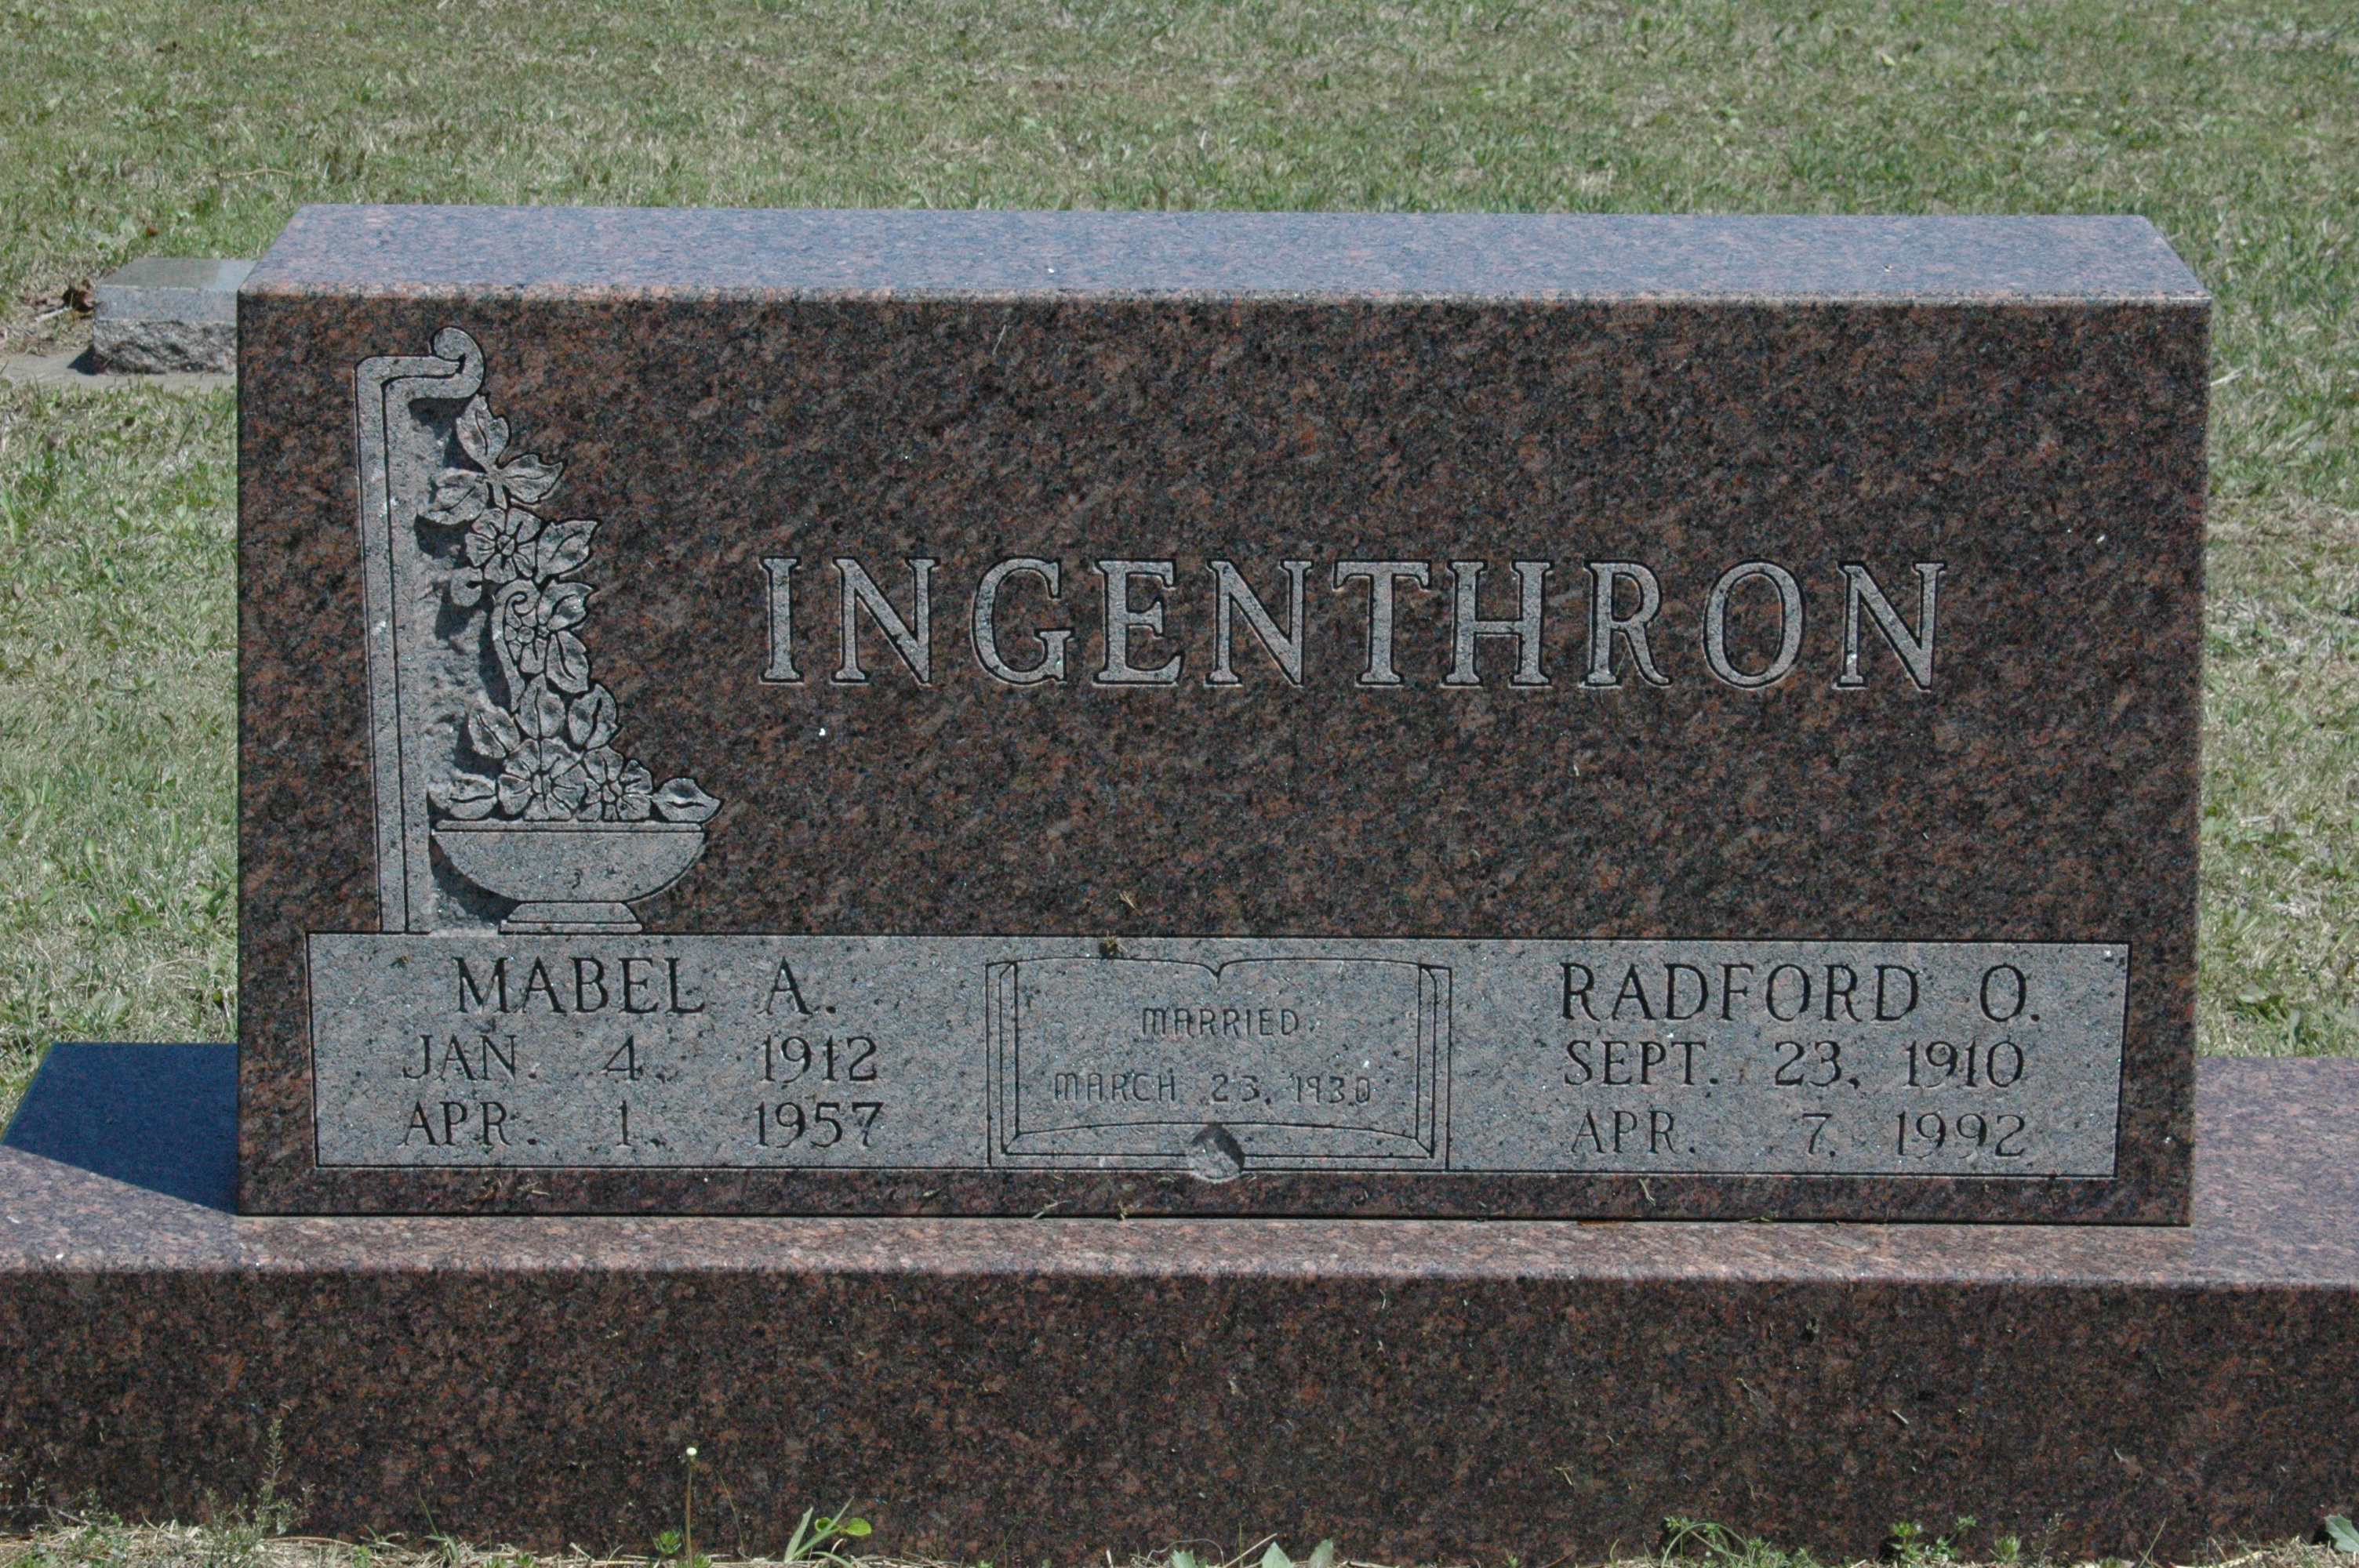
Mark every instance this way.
x=192 y=126
x=241 y=1541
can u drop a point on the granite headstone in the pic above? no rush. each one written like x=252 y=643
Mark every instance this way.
x=919 y=713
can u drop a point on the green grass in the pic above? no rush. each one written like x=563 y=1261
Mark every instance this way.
x=2281 y=777
x=73 y=1540
x=118 y=642
x=154 y=127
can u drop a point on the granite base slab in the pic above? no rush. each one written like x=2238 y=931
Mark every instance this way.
x=1047 y=1388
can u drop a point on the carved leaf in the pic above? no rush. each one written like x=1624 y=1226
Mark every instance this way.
x=493 y=733
x=680 y=800
x=515 y=790
x=592 y=719
x=466 y=587
x=482 y=437
x=565 y=545
x=569 y=662
x=460 y=497
x=527 y=479
x=638 y=791
x=563 y=604
x=541 y=711
x=467 y=797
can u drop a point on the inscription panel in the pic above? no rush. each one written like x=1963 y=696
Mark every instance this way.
x=1297 y=1062
x=1218 y=1056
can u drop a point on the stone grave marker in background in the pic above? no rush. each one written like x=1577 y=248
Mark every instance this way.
x=883 y=712
x=167 y=315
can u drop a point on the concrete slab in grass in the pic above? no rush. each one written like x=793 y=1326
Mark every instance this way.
x=78 y=370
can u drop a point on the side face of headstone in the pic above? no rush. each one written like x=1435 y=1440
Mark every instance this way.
x=161 y=315
x=869 y=712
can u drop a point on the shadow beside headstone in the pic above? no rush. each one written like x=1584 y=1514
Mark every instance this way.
x=160 y=1116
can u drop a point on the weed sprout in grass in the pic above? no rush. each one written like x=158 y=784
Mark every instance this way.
x=815 y=1539
x=1266 y=1553
x=1688 y=1537
x=1909 y=1547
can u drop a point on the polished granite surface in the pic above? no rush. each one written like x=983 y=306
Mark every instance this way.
x=1047 y=1388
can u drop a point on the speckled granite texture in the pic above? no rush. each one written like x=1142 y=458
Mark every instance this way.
x=856 y=255
x=1031 y=1390
x=2021 y=399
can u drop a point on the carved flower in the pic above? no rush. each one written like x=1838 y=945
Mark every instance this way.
x=620 y=791
x=503 y=545
x=551 y=739
x=543 y=782
x=500 y=543
x=533 y=625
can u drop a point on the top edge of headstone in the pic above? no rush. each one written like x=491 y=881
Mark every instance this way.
x=866 y=253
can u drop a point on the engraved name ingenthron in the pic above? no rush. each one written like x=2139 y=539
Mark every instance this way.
x=1028 y=622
